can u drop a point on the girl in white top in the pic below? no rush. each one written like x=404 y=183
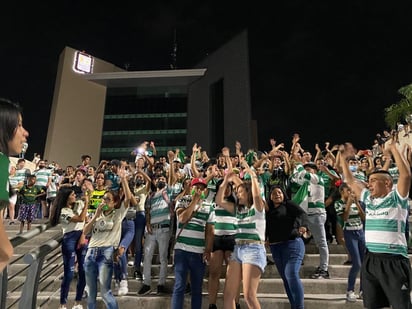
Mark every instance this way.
x=71 y=214
x=105 y=228
x=248 y=259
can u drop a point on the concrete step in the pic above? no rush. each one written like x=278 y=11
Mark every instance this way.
x=319 y=293
x=335 y=271
x=266 y=285
x=272 y=301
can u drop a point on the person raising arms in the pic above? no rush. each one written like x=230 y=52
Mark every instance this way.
x=105 y=228
x=386 y=269
x=248 y=260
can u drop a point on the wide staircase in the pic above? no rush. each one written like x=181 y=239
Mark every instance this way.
x=319 y=293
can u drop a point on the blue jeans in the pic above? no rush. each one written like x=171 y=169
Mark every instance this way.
x=184 y=262
x=70 y=253
x=140 y=225
x=355 y=244
x=288 y=257
x=317 y=227
x=120 y=269
x=99 y=267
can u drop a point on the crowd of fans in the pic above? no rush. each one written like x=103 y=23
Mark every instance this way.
x=163 y=188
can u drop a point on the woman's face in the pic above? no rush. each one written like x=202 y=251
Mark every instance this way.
x=108 y=200
x=277 y=196
x=242 y=195
x=19 y=138
x=72 y=198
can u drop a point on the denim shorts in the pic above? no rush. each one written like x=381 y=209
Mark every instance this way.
x=254 y=254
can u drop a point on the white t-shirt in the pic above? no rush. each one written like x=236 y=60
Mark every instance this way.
x=67 y=213
x=107 y=230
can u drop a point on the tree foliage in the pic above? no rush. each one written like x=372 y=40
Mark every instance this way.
x=400 y=112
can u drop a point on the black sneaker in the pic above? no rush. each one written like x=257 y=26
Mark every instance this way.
x=212 y=306
x=161 y=289
x=324 y=274
x=138 y=275
x=188 y=289
x=320 y=274
x=145 y=289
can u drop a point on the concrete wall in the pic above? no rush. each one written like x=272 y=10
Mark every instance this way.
x=230 y=63
x=76 y=117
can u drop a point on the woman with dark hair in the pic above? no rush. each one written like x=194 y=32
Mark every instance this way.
x=12 y=138
x=248 y=260
x=105 y=228
x=286 y=222
x=223 y=244
x=71 y=214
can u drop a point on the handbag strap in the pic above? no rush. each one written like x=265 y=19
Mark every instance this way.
x=184 y=224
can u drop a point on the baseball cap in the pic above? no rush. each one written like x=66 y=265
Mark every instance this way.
x=198 y=181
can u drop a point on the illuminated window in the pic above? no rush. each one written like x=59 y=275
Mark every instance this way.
x=83 y=63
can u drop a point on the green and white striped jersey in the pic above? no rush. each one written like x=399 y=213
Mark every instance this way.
x=192 y=237
x=354 y=222
x=251 y=224
x=385 y=223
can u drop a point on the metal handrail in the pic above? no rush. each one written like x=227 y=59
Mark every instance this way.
x=35 y=258
x=16 y=241
x=22 y=238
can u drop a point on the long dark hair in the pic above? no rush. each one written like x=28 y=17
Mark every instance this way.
x=9 y=121
x=59 y=203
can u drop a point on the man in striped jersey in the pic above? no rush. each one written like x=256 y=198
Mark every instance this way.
x=386 y=269
x=43 y=179
x=194 y=243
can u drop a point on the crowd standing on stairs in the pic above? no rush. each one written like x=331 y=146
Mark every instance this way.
x=210 y=211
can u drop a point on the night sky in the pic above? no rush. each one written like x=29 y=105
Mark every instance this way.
x=327 y=69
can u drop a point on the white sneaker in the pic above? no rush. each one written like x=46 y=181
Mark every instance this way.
x=351 y=296
x=123 y=289
x=78 y=306
x=130 y=263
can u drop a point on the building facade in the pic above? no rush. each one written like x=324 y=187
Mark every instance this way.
x=107 y=112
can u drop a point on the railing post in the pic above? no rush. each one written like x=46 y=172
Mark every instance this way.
x=3 y=288
x=31 y=286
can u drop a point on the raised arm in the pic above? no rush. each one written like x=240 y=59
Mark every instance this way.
x=258 y=201
x=122 y=173
x=404 y=181
x=356 y=185
x=220 y=195
x=195 y=154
